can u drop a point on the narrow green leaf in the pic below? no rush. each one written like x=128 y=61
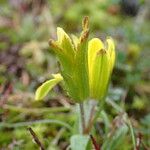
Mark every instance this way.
x=43 y=90
x=106 y=121
x=80 y=142
x=132 y=133
x=116 y=140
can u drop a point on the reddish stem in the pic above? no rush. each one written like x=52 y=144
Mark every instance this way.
x=95 y=144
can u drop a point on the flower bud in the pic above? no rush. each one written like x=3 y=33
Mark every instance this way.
x=86 y=66
x=100 y=63
x=73 y=59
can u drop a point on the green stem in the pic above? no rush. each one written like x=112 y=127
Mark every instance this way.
x=115 y=106
x=82 y=117
x=36 y=110
x=45 y=121
x=132 y=134
x=100 y=108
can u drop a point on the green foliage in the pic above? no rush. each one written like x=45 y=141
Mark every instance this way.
x=116 y=141
x=80 y=142
x=73 y=59
x=26 y=61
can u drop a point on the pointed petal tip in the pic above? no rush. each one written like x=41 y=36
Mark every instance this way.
x=110 y=41
x=57 y=76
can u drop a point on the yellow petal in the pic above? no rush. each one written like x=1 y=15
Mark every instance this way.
x=64 y=41
x=104 y=75
x=94 y=46
x=95 y=74
x=43 y=90
x=61 y=34
x=101 y=73
x=111 y=50
x=75 y=41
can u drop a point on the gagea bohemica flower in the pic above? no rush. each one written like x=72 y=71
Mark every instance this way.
x=86 y=66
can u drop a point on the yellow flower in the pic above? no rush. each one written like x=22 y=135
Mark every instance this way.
x=100 y=64
x=86 y=66
x=72 y=55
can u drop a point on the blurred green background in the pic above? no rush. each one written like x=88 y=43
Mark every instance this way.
x=26 y=61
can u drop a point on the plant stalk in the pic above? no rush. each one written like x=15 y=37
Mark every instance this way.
x=82 y=117
x=94 y=118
